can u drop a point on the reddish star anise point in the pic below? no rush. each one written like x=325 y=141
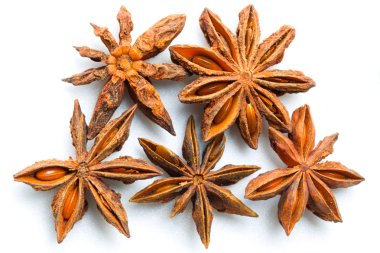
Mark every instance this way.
x=75 y=176
x=235 y=81
x=307 y=181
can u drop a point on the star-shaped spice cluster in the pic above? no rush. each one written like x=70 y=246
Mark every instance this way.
x=125 y=66
x=234 y=81
x=85 y=172
x=307 y=182
x=194 y=180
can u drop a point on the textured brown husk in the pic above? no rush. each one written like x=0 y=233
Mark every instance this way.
x=307 y=182
x=243 y=63
x=86 y=170
x=125 y=66
x=193 y=180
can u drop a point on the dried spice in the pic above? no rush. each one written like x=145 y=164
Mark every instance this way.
x=234 y=81
x=307 y=182
x=125 y=65
x=193 y=180
x=75 y=176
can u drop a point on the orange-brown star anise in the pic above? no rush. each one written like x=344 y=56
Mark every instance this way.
x=125 y=65
x=75 y=176
x=307 y=182
x=235 y=82
x=194 y=180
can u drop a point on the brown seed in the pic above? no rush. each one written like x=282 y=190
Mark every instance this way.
x=51 y=173
x=270 y=105
x=107 y=140
x=162 y=151
x=70 y=203
x=225 y=43
x=122 y=170
x=270 y=185
x=251 y=118
x=331 y=174
x=206 y=63
x=223 y=112
x=211 y=88
x=117 y=170
x=266 y=101
x=248 y=37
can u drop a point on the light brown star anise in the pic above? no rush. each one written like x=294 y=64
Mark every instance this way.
x=75 y=176
x=195 y=181
x=125 y=65
x=306 y=182
x=235 y=83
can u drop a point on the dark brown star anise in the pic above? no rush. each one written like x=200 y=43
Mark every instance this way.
x=306 y=182
x=75 y=176
x=195 y=181
x=235 y=82
x=125 y=65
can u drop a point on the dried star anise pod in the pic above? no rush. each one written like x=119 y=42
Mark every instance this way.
x=75 y=176
x=307 y=182
x=194 y=180
x=235 y=83
x=125 y=65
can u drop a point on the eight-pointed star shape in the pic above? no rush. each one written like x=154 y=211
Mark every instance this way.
x=234 y=81
x=195 y=181
x=86 y=171
x=307 y=182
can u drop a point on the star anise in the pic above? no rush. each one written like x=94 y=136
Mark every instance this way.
x=235 y=83
x=75 y=176
x=307 y=182
x=125 y=65
x=193 y=180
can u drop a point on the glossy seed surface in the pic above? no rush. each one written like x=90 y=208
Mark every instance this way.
x=251 y=118
x=51 y=174
x=206 y=63
x=223 y=112
x=70 y=203
x=211 y=88
x=162 y=151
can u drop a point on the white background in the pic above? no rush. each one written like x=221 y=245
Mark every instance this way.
x=337 y=44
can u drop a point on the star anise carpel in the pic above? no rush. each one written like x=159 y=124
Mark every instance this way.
x=125 y=65
x=75 y=176
x=307 y=182
x=234 y=81
x=194 y=180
